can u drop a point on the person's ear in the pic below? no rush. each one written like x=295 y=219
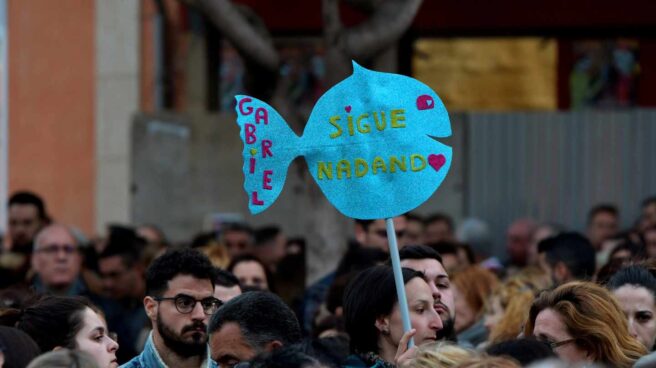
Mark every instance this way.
x=272 y=345
x=360 y=233
x=151 y=307
x=561 y=272
x=383 y=325
x=339 y=311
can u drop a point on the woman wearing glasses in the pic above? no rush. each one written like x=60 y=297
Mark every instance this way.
x=373 y=319
x=56 y=322
x=583 y=324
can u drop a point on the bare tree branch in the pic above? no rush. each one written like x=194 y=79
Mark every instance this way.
x=385 y=26
x=235 y=27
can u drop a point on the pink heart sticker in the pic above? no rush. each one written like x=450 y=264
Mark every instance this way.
x=436 y=161
x=348 y=108
x=425 y=102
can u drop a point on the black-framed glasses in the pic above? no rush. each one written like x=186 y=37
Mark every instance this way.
x=554 y=345
x=185 y=303
x=51 y=249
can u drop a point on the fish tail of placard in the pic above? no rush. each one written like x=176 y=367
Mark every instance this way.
x=269 y=147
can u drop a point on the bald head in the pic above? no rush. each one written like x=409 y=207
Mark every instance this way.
x=56 y=259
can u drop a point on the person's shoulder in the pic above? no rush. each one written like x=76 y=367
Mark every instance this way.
x=646 y=361
x=353 y=361
x=133 y=363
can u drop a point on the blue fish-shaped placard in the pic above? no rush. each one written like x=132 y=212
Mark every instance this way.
x=369 y=144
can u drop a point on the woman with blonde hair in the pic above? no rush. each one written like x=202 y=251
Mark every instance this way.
x=583 y=324
x=507 y=310
x=471 y=289
x=489 y=362
x=64 y=358
x=442 y=354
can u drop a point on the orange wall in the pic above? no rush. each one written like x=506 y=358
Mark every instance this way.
x=51 y=105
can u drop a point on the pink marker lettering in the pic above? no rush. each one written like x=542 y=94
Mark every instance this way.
x=261 y=114
x=250 y=133
x=249 y=109
x=252 y=166
x=266 y=145
x=266 y=179
x=256 y=201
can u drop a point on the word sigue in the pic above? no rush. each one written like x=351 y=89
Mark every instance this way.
x=361 y=124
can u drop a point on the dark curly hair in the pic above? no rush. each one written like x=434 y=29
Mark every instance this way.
x=177 y=262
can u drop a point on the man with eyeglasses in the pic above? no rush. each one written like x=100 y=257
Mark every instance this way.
x=179 y=301
x=57 y=261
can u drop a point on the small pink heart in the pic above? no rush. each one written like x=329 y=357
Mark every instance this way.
x=436 y=161
x=348 y=108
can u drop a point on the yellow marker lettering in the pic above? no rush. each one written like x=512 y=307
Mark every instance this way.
x=350 y=125
x=343 y=166
x=398 y=115
x=363 y=127
x=396 y=162
x=361 y=167
x=325 y=170
x=380 y=126
x=333 y=121
x=378 y=164
x=422 y=162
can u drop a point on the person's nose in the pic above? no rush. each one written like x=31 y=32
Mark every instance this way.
x=435 y=321
x=437 y=294
x=632 y=330
x=198 y=313
x=112 y=346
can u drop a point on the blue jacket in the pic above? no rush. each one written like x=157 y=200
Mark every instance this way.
x=149 y=358
x=354 y=361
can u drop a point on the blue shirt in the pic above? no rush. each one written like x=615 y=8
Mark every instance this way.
x=149 y=358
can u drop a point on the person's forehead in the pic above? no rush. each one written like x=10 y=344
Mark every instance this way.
x=236 y=233
x=226 y=338
x=92 y=320
x=604 y=216
x=430 y=267
x=417 y=289
x=111 y=262
x=23 y=210
x=189 y=285
x=549 y=322
x=632 y=295
x=57 y=234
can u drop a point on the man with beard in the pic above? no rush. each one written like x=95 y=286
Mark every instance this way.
x=179 y=301
x=426 y=260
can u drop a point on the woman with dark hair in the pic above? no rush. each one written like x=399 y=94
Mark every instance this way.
x=17 y=347
x=65 y=322
x=634 y=287
x=583 y=324
x=251 y=272
x=373 y=318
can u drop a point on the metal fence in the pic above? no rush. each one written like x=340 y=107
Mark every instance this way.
x=556 y=166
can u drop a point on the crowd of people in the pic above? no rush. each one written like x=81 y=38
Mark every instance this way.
x=237 y=297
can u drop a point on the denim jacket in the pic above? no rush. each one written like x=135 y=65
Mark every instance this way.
x=149 y=358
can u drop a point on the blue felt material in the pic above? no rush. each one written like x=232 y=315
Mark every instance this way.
x=350 y=149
